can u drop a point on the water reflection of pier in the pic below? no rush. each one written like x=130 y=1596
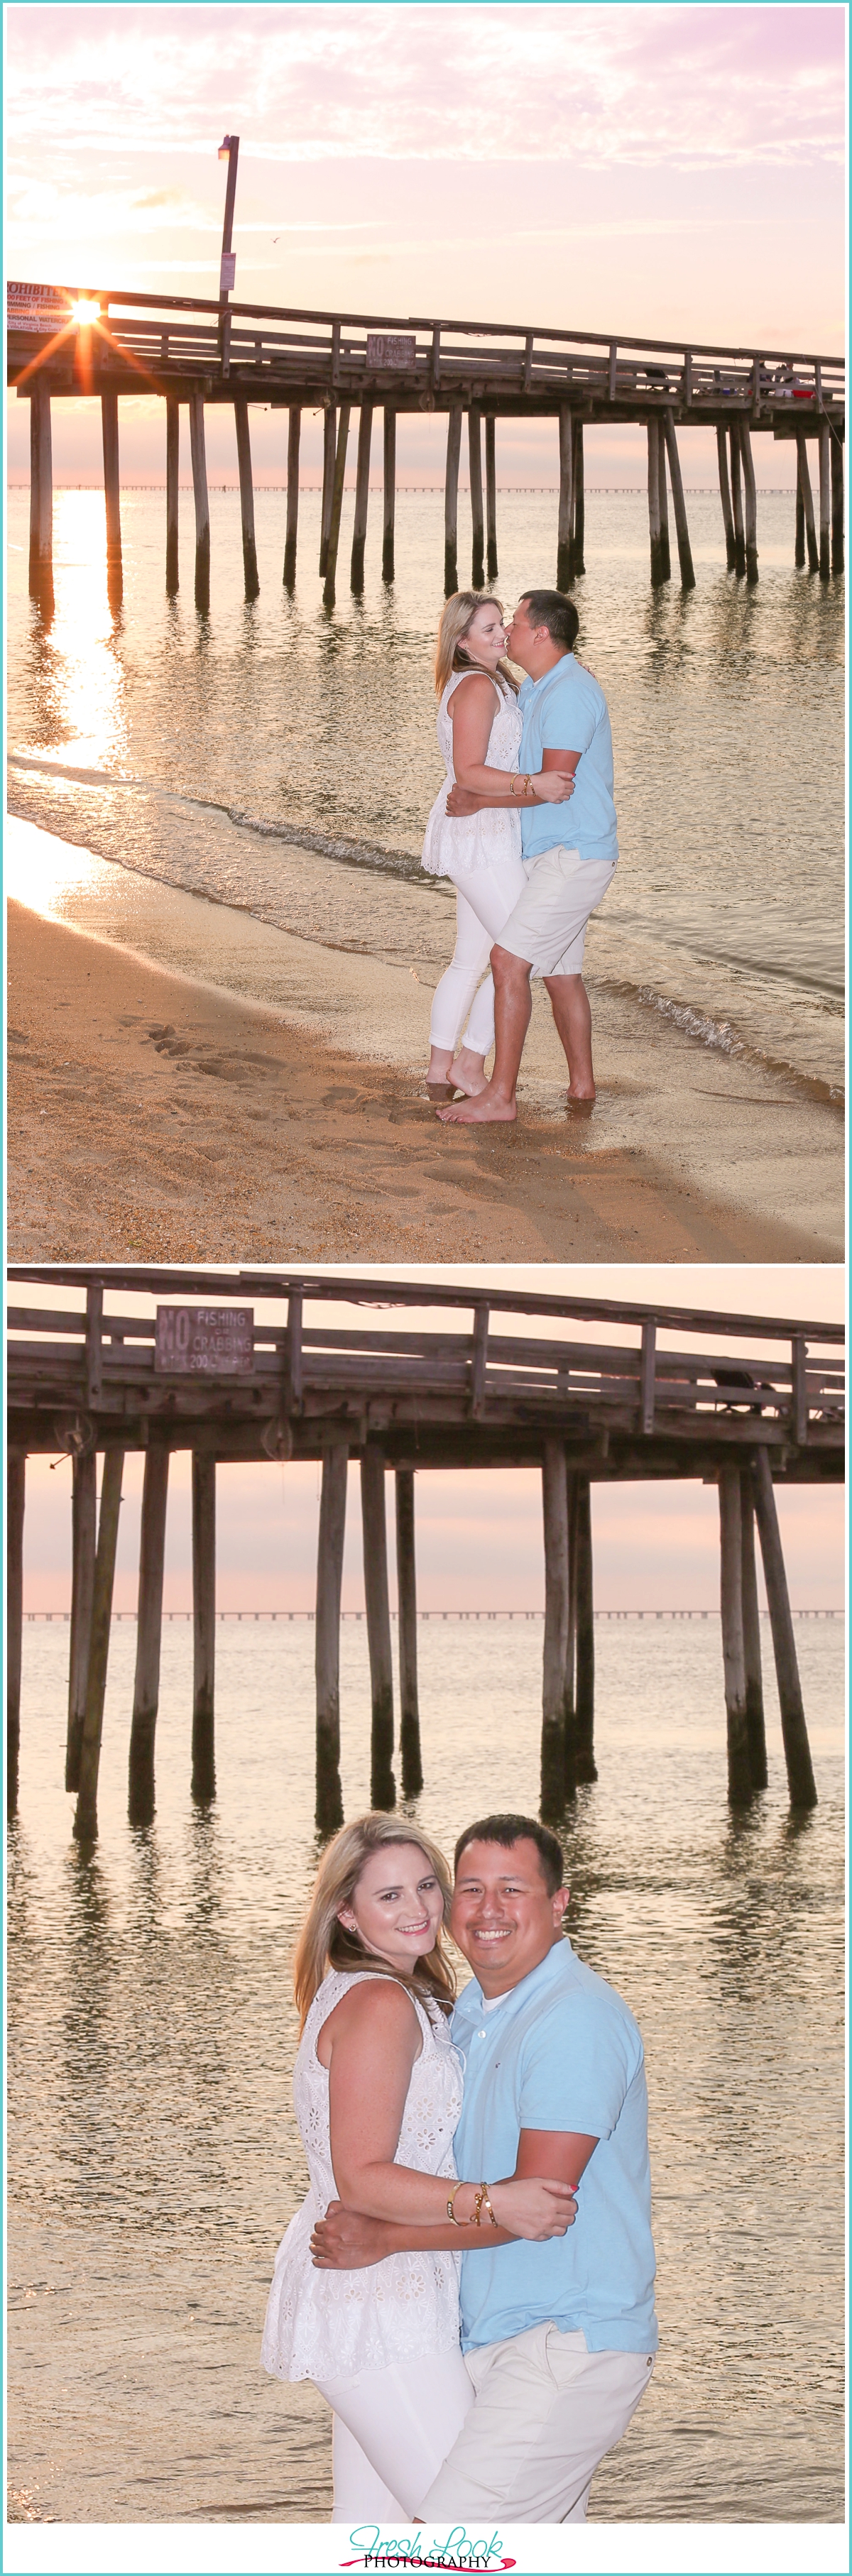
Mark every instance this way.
x=220 y=1373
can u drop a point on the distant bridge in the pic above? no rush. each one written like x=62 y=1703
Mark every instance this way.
x=108 y=342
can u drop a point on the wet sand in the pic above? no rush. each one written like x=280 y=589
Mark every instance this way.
x=155 y=1117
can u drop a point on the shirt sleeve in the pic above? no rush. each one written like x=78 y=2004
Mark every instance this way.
x=578 y=2065
x=568 y=720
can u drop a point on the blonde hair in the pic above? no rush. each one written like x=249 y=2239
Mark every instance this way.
x=324 y=1941
x=458 y=616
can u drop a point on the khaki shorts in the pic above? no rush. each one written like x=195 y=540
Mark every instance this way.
x=545 y=2410
x=548 y=925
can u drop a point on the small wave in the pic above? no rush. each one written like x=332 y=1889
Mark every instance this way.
x=724 y=1039
x=356 y=854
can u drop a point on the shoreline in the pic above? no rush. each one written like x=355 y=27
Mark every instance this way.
x=269 y=1134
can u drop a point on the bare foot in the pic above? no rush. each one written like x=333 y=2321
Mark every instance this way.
x=483 y=1111
x=467 y=1073
x=440 y=1090
x=438 y=1067
x=581 y=1102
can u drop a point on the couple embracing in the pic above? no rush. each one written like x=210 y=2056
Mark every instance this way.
x=525 y=826
x=470 y=2280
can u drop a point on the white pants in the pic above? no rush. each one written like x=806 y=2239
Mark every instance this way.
x=545 y=2412
x=484 y=899
x=392 y=2429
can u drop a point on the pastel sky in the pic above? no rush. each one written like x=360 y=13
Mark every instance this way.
x=479 y=1535
x=658 y=169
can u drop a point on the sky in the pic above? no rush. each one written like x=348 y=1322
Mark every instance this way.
x=604 y=167
x=479 y=1535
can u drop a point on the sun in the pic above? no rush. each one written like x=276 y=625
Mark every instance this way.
x=85 y=311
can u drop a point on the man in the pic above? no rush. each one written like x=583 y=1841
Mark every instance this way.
x=570 y=850
x=558 y=2337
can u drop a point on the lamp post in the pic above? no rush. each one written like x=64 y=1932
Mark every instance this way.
x=228 y=151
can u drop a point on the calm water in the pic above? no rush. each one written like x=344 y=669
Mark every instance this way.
x=153 y=2157
x=281 y=757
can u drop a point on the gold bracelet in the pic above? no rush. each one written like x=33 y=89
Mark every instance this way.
x=487 y=2200
x=450 y=2209
x=479 y=2197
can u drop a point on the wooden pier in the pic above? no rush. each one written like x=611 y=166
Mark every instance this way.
x=99 y=341
x=217 y=1372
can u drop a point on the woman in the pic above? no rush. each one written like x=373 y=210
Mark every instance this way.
x=479 y=734
x=378 y=2089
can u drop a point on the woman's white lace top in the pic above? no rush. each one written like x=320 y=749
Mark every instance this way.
x=476 y=839
x=325 y=2325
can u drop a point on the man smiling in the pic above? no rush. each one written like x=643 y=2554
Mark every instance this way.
x=558 y=2337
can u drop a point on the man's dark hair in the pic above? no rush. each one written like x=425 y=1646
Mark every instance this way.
x=508 y=1830
x=550 y=608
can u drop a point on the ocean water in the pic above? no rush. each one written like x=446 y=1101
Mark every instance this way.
x=153 y=2156
x=280 y=757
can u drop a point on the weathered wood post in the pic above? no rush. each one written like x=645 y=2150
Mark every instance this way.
x=149 y=1629
x=202 y=504
x=85 y=1826
x=84 y=1530
x=807 y=500
x=172 y=492
x=658 y=575
x=332 y=1529
x=664 y=504
x=585 y=1767
x=836 y=503
x=451 y=501
x=474 y=440
x=294 y=433
x=824 y=499
x=329 y=455
x=554 y=1497
x=565 y=521
x=491 y=494
x=389 y=491
x=578 y=537
x=16 y=1470
x=684 y=549
x=570 y=1701
x=797 y=1751
x=799 y=549
x=362 y=496
x=406 y=1577
x=203 y=1622
x=41 y=487
x=725 y=497
x=737 y=499
x=328 y=595
x=733 y=1646
x=382 y=1782
x=109 y=432
x=750 y=490
x=755 y=1724
x=241 y=424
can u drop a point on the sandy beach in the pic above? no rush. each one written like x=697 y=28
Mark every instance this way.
x=155 y=1116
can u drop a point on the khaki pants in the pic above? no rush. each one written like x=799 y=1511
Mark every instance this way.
x=544 y=2413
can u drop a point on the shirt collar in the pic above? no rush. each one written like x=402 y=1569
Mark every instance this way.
x=471 y=2001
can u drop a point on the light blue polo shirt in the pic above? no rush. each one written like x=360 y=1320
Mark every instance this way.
x=566 y=711
x=561 y=2051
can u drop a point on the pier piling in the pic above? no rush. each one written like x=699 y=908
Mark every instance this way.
x=807 y=501
x=570 y=1699
x=344 y=417
x=203 y=1623
x=585 y=1767
x=750 y=497
x=797 y=1751
x=332 y=1528
x=491 y=494
x=149 y=1626
x=16 y=1471
x=241 y=423
x=202 y=504
x=84 y=1514
x=172 y=491
x=362 y=496
x=658 y=573
x=799 y=549
x=294 y=433
x=474 y=436
x=737 y=501
x=382 y=1782
x=565 y=521
x=578 y=539
x=112 y=496
x=824 y=500
x=665 y=548
x=733 y=1643
x=554 y=1496
x=755 y=1722
x=86 y=1813
x=329 y=457
x=389 y=491
x=41 y=488
x=836 y=503
x=684 y=549
x=725 y=497
x=406 y=1575
x=451 y=501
